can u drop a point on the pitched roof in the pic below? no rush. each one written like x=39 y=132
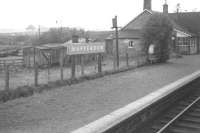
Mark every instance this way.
x=127 y=34
x=132 y=21
x=188 y=20
x=130 y=34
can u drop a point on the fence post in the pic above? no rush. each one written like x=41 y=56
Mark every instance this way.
x=49 y=65
x=99 y=63
x=73 y=66
x=82 y=65
x=7 y=77
x=114 y=63
x=34 y=56
x=48 y=71
x=127 y=62
x=73 y=57
x=36 y=74
x=61 y=64
x=35 y=67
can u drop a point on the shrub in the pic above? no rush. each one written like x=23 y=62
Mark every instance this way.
x=158 y=30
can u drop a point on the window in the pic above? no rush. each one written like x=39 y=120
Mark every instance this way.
x=130 y=44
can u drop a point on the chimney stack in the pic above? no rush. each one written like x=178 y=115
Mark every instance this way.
x=147 y=4
x=165 y=8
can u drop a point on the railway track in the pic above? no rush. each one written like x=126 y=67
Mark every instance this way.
x=182 y=117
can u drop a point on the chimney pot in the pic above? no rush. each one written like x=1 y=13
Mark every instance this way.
x=147 y=4
x=165 y=9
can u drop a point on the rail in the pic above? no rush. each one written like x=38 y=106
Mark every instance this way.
x=164 y=128
x=14 y=61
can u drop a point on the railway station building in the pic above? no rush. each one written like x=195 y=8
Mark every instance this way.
x=186 y=28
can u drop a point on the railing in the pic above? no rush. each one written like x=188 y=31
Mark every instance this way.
x=14 y=62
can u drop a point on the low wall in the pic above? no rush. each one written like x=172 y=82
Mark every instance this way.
x=132 y=116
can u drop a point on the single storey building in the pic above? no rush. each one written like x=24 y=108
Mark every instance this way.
x=186 y=28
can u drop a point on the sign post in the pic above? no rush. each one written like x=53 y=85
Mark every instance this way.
x=99 y=63
x=74 y=49
x=82 y=65
x=85 y=48
x=73 y=65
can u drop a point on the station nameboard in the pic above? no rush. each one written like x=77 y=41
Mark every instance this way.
x=85 y=48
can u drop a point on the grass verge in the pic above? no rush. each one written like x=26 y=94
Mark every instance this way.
x=25 y=91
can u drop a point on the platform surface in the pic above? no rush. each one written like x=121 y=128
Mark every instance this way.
x=70 y=107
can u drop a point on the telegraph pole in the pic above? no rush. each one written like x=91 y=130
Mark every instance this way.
x=39 y=34
x=114 y=21
x=39 y=31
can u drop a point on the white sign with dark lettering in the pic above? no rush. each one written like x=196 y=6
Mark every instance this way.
x=85 y=48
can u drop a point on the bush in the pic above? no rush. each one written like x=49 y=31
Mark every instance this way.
x=158 y=31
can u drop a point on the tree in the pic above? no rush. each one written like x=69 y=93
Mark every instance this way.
x=60 y=35
x=30 y=28
x=158 y=30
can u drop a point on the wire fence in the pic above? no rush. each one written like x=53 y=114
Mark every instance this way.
x=13 y=76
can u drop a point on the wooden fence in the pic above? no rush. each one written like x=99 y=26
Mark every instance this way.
x=13 y=63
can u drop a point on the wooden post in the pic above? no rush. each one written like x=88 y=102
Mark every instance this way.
x=114 y=21
x=117 y=43
x=117 y=47
x=36 y=74
x=188 y=43
x=29 y=60
x=61 y=64
x=34 y=56
x=127 y=63
x=73 y=66
x=114 y=63
x=82 y=65
x=73 y=58
x=48 y=71
x=99 y=63
x=23 y=57
x=49 y=65
x=35 y=68
x=7 y=77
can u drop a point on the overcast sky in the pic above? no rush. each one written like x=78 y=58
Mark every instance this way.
x=87 y=14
